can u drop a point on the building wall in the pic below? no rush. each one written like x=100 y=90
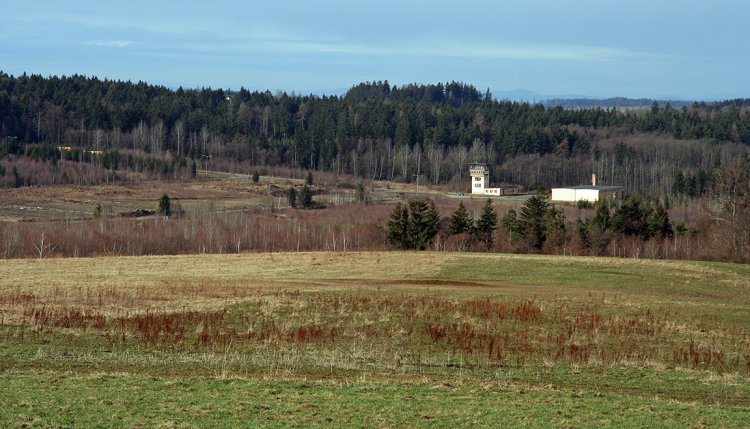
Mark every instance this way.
x=563 y=194
x=591 y=195
x=479 y=184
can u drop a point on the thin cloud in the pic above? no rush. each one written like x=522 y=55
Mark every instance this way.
x=109 y=43
x=498 y=51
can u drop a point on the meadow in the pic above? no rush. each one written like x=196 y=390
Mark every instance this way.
x=373 y=339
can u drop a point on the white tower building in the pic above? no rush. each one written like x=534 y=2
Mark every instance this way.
x=480 y=178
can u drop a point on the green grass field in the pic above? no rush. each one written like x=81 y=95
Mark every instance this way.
x=386 y=339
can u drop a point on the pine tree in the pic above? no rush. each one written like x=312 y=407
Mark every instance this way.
x=429 y=225
x=555 y=226
x=678 y=185
x=533 y=221
x=413 y=225
x=602 y=219
x=397 y=233
x=461 y=222
x=487 y=224
x=165 y=206
x=291 y=197
x=511 y=224
x=631 y=218
x=582 y=230
x=305 y=197
x=659 y=224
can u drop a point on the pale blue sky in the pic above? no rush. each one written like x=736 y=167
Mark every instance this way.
x=694 y=49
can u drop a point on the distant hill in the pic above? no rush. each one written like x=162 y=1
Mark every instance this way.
x=619 y=102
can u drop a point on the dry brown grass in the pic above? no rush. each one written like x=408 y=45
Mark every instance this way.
x=318 y=314
x=76 y=201
x=197 y=282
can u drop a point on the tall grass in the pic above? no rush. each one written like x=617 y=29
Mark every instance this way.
x=420 y=330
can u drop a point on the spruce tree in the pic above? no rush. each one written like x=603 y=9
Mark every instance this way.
x=291 y=197
x=256 y=177
x=532 y=220
x=461 y=222
x=309 y=179
x=631 y=218
x=397 y=233
x=602 y=219
x=165 y=206
x=582 y=230
x=659 y=224
x=305 y=197
x=413 y=225
x=423 y=225
x=487 y=224
x=511 y=224
x=555 y=226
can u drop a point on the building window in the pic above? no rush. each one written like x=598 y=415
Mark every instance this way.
x=477 y=179
x=477 y=185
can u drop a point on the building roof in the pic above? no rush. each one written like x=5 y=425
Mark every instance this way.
x=594 y=188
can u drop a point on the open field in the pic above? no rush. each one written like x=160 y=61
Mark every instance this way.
x=219 y=191
x=378 y=339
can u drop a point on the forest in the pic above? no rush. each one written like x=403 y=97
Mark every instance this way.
x=80 y=130
x=686 y=170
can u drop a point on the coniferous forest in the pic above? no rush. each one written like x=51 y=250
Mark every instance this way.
x=694 y=160
x=374 y=131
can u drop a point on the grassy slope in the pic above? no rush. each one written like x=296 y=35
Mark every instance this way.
x=78 y=376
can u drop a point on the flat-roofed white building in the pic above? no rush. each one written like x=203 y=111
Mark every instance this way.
x=591 y=193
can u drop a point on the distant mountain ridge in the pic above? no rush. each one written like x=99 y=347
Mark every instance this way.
x=577 y=101
x=613 y=102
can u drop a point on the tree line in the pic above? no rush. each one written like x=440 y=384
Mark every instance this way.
x=374 y=131
x=636 y=227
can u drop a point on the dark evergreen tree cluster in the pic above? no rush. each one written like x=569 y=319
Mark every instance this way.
x=634 y=217
x=413 y=224
x=538 y=223
x=481 y=229
x=321 y=132
x=693 y=184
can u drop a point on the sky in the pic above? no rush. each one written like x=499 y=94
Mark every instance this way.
x=688 y=49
